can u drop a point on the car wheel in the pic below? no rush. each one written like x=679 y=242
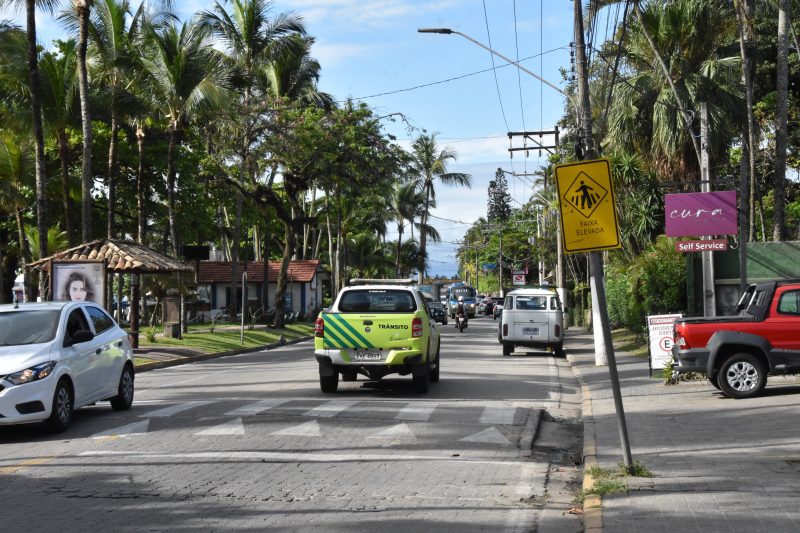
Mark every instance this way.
x=713 y=381
x=507 y=349
x=124 y=398
x=433 y=375
x=329 y=384
x=61 y=413
x=742 y=375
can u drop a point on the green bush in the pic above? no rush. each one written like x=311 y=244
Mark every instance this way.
x=653 y=283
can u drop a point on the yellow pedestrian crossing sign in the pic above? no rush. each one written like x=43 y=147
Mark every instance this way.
x=588 y=212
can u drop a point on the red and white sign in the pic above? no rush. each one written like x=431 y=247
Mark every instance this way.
x=711 y=245
x=659 y=328
x=518 y=279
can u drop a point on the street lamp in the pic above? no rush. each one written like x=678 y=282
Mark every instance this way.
x=448 y=31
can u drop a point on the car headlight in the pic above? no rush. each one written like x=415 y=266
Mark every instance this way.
x=34 y=373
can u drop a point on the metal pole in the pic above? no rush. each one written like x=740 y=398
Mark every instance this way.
x=595 y=258
x=244 y=306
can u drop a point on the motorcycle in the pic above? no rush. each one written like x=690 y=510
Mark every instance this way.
x=461 y=323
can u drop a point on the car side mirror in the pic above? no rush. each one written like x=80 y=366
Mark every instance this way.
x=82 y=335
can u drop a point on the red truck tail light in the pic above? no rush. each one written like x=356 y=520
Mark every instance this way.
x=416 y=328
x=505 y=330
x=558 y=330
x=319 y=328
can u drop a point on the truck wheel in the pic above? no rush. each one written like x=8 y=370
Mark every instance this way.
x=421 y=377
x=742 y=375
x=507 y=349
x=329 y=384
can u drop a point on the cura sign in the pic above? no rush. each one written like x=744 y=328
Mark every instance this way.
x=700 y=213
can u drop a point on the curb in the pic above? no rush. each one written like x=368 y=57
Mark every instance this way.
x=592 y=504
x=205 y=356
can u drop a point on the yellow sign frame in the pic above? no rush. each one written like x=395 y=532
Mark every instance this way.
x=587 y=205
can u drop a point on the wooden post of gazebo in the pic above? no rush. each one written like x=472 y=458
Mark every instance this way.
x=133 y=334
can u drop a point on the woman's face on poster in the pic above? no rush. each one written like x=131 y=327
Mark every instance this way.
x=77 y=291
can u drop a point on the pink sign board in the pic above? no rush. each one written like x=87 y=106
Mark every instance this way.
x=700 y=213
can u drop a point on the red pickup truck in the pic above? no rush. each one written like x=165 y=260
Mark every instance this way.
x=738 y=352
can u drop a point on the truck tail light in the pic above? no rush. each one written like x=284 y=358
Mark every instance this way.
x=416 y=328
x=505 y=330
x=558 y=330
x=319 y=328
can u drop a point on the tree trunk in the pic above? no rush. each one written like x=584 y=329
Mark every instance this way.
x=331 y=258
x=173 y=230
x=140 y=217
x=38 y=133
x=399 y=247
x=26 y=256
x=112 y=171
x=745 y=10
x=86 y=122
x=781 y=116
x=283 y=274
x=63 y=156
x=423 y=236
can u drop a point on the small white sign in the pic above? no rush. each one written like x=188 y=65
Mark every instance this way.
x=659 y=328
x=518 y=279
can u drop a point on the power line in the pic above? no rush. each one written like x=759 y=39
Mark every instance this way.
x=494 y=70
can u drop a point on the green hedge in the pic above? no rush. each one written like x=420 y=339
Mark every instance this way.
x=653 y=283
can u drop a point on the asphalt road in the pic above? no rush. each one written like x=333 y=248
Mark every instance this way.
x=249 y=443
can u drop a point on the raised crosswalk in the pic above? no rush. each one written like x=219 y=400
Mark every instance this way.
x=396 y=415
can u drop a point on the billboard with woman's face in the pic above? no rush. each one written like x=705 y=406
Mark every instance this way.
x=79 y=281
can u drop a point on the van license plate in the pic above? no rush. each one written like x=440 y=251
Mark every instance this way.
x=367 y=355
x=530 y=331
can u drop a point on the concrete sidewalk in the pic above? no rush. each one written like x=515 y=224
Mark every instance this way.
x=718 y=464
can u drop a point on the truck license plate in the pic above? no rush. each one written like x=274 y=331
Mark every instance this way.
x=367 y=355
x=530 y=331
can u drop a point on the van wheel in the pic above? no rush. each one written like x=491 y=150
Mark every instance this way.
x=742 y=375
x=558 y=350
x=507 y=349
x=329 y=384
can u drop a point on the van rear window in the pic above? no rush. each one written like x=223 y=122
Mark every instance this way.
x=531 y=303
x=377 y=301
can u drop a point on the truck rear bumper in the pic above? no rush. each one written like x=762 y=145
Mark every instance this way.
x=692 y=360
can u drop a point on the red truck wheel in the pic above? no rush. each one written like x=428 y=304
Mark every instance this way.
x=742 y=375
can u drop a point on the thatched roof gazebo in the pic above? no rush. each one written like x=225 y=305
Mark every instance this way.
x=119 y=257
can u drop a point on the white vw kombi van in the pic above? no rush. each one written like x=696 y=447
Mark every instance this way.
x=532 y=318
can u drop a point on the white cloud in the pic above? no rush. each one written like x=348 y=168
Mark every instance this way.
x=373 y=13
x=336 y=54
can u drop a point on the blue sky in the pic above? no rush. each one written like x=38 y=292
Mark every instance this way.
x=371 y=47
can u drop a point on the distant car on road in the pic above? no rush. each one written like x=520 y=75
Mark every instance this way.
x=58 y=356
x=497 y=310
x=438 y=312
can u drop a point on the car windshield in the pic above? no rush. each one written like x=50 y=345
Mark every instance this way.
x=377 y=301
x=28 y=327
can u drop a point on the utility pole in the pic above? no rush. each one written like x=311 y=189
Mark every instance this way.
x=709 y=296
x=595 y=258
x=500 y=264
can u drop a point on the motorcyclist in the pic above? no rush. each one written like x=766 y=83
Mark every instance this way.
x=461 y=310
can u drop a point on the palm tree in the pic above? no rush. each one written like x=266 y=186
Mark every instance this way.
x=781 y=119
x=36 y=110
x=185 y=75
x=58 y=100
x=250 y=38
x=405 y=201
x=15 y=172
x=648 y=113
x=430 y=164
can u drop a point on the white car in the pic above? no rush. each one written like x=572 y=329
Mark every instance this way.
x=58 y=356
